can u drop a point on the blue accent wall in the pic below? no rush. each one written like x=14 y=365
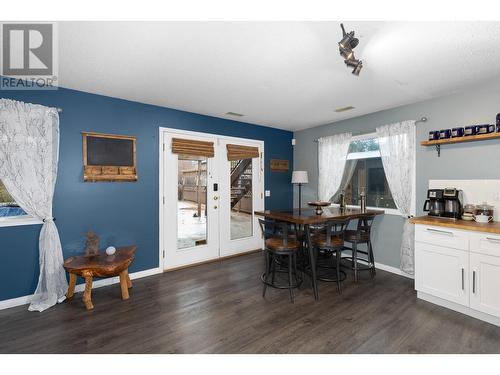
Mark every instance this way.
x=121 y=213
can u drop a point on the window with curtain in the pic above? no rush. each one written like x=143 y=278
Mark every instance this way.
x=8 y=206
x=364 y=172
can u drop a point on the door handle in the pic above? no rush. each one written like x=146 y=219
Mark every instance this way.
x=474 y=282
x=440 y=231
x=216 y=197
x=463 y=279
x=493 y=239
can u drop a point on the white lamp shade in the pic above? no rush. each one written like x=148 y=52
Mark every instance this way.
x=299 y=177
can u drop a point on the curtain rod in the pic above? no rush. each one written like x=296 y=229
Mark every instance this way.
x=422 y=119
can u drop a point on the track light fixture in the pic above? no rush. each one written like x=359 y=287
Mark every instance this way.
x=346 y=46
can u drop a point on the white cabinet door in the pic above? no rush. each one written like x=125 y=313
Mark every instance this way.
x=442 y=272
x=485 y=283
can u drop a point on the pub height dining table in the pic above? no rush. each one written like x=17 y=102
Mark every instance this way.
x=304 y=218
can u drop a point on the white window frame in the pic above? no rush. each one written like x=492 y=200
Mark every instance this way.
x=14 y=221
x=369 y=155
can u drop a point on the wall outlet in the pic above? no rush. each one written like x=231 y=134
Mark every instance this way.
x=293 y=142
x=496 y=196
x=267 y=193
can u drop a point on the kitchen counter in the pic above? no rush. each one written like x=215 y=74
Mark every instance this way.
x=493 y=227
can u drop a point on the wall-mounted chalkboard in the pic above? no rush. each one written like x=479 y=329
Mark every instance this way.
x=110 y=151
x=109 y=157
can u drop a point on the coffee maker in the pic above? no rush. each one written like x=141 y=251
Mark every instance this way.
x=444 y=203
x=453 y=206
x=435 y=202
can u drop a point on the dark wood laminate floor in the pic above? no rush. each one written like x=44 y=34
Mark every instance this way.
x=218 y=308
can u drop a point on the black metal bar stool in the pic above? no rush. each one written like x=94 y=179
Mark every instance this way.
x=361 y=235
x=329 y=241
x=278 y=245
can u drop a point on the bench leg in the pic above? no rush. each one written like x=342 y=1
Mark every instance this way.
x=124 y=284
x=71 y=287
x=87 y=294
x=129 y=282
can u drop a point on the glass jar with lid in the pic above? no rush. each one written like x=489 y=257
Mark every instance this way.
x=484 y=209
x=469 y=209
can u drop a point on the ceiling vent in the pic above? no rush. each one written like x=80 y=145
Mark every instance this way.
x=344 y=109
x=234 y=114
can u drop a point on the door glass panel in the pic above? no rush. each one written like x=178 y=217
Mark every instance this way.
x=191 y=201
x=241 y=199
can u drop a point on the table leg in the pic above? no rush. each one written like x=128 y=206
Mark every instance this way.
x=129 y=282
x=71 y=287
x=87 y=294
x=312 y=261
x=123 y=284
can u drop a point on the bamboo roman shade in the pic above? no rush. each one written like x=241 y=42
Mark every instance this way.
x=192 y=147
x=237 y=152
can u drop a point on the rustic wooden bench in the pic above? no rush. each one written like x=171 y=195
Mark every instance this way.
x=101 y=265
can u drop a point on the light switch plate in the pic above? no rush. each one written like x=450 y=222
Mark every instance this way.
x=267 y=193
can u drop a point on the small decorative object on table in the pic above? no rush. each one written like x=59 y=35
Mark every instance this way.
x=91 y=244
x=319 y=205
x=110 y=250
x=362 y=200
x=342 y=200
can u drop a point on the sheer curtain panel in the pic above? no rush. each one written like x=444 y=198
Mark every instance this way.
x=29 y=151
x=397 y=151
x=332 y=155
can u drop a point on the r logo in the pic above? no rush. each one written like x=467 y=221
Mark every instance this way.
x=27 y=50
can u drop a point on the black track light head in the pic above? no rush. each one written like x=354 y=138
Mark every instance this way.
x=346 y=46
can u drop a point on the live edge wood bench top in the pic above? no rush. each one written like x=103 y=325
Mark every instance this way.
x=101 y=265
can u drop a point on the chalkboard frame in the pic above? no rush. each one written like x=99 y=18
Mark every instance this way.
x=95 y=173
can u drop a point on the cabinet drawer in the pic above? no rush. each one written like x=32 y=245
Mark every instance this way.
x=441 y=236
x=485 y=243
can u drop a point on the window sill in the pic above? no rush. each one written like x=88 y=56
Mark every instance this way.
x=387 y=211
x=18 y=220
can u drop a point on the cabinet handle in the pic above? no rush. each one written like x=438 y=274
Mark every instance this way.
x=474 y=282
x=493 y=239
x=440 y=231
x=463 y=279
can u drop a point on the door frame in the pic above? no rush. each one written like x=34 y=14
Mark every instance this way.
x=161 y=200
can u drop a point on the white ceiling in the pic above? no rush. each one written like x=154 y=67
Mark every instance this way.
x=287 y=75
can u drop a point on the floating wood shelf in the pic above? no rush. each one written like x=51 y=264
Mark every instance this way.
x=438 y=142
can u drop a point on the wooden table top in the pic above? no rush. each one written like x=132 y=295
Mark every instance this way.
x=493 y=227
x=308 y=215
x=102 y=265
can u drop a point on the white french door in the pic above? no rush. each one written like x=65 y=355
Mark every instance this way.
x=207 y=203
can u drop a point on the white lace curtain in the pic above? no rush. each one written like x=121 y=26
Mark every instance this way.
x=332 y=154
x=397 y=150
x=29 y=152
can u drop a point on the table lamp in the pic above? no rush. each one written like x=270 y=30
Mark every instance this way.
x=300 y=177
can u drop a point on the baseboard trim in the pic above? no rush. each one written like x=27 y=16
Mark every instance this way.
x=24 y=300
x=391 y=269
x=459 y=308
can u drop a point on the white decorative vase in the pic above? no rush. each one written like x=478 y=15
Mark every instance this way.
x=110 y=250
